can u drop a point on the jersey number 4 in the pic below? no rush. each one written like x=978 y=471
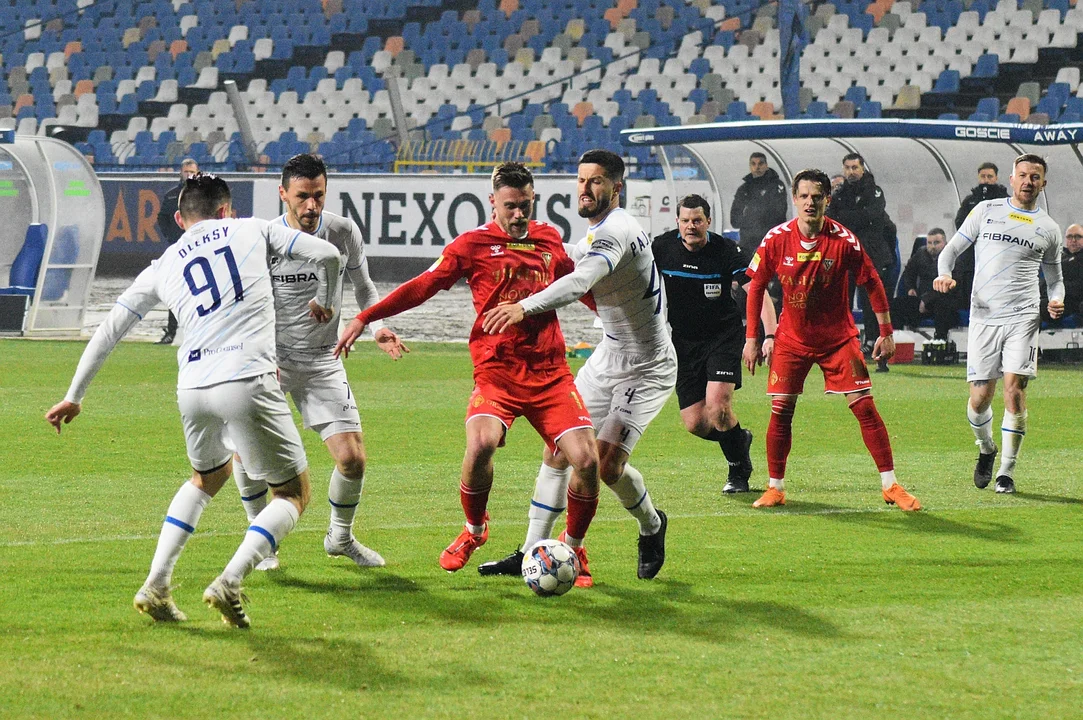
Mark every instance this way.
x=654 y=289
x=209 y=283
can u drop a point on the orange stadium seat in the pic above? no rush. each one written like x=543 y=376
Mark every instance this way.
x=500 y=135
x=177 y=47
x=1020 y=106
x=75 y=46
x=732 y=24
x=764 y=110
x=509 y=6
x=627 y=6
x=582 y=111
x=83 y=87
x=394 y=45
x=613 y=16
x=535 y=150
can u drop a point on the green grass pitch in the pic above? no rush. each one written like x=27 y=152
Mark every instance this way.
x=834 y=606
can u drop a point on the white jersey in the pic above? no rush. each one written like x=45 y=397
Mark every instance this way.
x=302 y=342
x=631 y=299
x=1010 y=246
x=615 y=262
x=216 y=280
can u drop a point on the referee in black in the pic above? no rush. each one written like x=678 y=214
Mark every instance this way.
x=699 y=268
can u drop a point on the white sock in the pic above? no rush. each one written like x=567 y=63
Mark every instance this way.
x=262 y=538
x=982 y=425
x=887 y=479
x=344 y=494
x=549 y=501
x=633 y=495
x=253 y=492
x=1012 y=431
x=777 y=483
x=180 y=522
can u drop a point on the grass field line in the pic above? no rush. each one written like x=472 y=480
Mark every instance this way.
x=521 y=521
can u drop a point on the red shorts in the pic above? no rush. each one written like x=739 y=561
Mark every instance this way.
x=843 y=367
x=548 y=400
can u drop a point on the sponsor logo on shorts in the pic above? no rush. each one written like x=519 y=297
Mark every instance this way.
x=479 y=400
x=194 y=356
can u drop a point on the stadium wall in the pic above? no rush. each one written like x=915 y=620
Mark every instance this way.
x=406 y=219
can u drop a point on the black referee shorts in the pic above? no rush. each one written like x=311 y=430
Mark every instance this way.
x=702 y=361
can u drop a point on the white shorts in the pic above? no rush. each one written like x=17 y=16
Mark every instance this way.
x=250 y=415
x=992 y=350
x=624 y=392
x=324 y=399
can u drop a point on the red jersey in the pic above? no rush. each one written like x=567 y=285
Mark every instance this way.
x=815 y=291
x=499 y=269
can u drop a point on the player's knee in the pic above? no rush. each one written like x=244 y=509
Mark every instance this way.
x=481 y=447
x=719 y=414
x=298 y=491
x=352 y=467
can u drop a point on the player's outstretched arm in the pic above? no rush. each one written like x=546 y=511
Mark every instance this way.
x=63 y=412
x=588 y=271
x=389 y=342
x=945 y=262
x=502 y=317
x=350 y=333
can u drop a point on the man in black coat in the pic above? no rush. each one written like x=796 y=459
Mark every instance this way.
x=860 y=205
x=917 y=299
x=987 y=189
x=171 y=232
x=760 y=203
x=1071 y=264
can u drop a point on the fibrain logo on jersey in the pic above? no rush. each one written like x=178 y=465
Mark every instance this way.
x=983 y=132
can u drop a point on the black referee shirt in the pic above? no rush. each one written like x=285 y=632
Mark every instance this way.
x=698 y=284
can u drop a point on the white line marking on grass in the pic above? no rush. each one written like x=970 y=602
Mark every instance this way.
x=410 y=526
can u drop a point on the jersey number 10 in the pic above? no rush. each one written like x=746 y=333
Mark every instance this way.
x=209 y=283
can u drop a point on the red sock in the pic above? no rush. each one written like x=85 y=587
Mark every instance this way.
x=873 y=432
x=474 y=501
x=779 y=436
x=581 y=509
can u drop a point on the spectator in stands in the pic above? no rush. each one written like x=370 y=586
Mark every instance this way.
x=859 y=204
x=760 y=203
x=836 y=180
x=1071 y=263
x=917 y=299
x=171 y=231
x=987 y=189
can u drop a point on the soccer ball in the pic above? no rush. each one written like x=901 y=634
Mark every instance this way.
x=550 y=567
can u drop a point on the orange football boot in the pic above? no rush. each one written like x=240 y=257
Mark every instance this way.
x=584 y=580
x=771 y=498
x=458 y=553
x=895 y=495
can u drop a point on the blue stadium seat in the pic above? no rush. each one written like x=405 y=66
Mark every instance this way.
x=987 y=66
x=870 y=109
x=856 y=94
x=947 y=82
x=988 y=106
